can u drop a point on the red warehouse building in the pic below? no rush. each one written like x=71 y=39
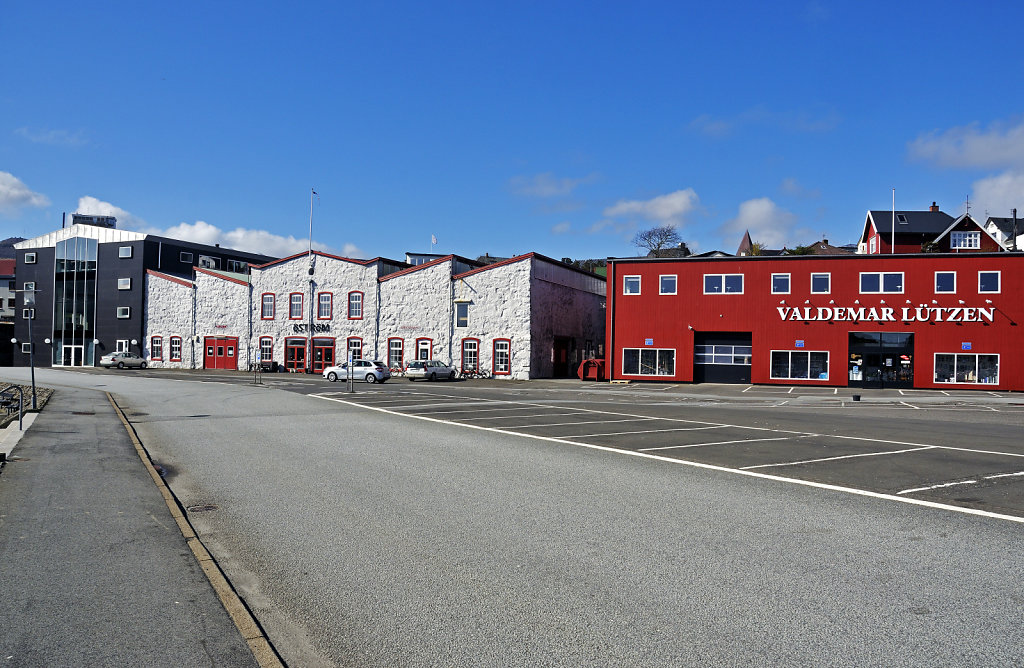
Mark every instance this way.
x=928 y=320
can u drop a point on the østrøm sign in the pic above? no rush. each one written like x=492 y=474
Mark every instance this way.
x=922 y=313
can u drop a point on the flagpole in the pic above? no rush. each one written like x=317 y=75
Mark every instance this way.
x=311 y=193
x=893 y=249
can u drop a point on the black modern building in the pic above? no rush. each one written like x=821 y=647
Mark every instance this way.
x=88 y=281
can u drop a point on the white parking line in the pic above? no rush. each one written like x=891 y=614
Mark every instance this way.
x=948 y=484
x=476 y=410
x=708 y=467
x=911 y=405
x=511 y=417
x=832 y=459
x=573 y=424
x=700 y=445
x=646 y=431
x=1004 y=475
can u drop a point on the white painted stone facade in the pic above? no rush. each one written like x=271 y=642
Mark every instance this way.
x=542 y=308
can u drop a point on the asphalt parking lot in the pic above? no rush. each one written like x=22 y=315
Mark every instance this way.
x=957 y=449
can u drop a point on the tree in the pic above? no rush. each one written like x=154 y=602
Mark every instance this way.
x=800 y=250
x=657 y=238
x=757 y=248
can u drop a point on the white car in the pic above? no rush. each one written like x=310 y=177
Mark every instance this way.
x=430 y=369
x=372 y=371
x=121 y=360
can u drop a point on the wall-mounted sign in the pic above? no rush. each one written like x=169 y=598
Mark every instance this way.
x=799 y=343
x=648 y=342
x=966 y=345
x=922 y=313
x=318 y=328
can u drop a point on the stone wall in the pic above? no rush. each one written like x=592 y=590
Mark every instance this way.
x=222 y=309
x=169 y=313
x=416 y=304
x=499 y=308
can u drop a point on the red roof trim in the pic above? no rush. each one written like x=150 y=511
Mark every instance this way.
x=221 y=276
x=173 y=279
x=321 y=254
x=518 y=258
x=425 y=265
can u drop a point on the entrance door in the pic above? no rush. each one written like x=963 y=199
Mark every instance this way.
x=722 y=357
x=560 y=367
x=323 y=354
x=881 y=359
x=295 y=354
x=221 y=352
x=73 y=355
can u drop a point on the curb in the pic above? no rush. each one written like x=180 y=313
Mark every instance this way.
x=264 y=652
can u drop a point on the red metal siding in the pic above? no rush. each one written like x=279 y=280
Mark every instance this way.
x=666 y=319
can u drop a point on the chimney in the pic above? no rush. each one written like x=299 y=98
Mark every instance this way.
x=934 y=207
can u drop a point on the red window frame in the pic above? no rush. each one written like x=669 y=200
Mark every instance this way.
x=462 y=354
x=291 y=303
x=156 y=342
x=263 y=306
x=320 y=303
x=175 y=339
x=430 y=348
x=269 y=358
x=494 y=357
x=362 y=303
x=401 y=362
x=348 y=347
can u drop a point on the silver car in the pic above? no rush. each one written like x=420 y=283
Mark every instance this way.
x=430 y=369
x=121 y=360
x=372 y=371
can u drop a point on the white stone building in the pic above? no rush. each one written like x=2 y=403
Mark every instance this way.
x=525 y=317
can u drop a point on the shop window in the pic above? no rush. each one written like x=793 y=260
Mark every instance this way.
x=988 y=281
x=964 y=240
x=881 y=282
x=295 y=306
x=718 y=284
x=267 y=310
x=945 y=282
x=156 y=348
x=630 y=285
x=502 y=357
x=821 y=284
x=967 y=368
x=667 y=285
x=799 y=365
x=648 y=362
x=462 y=314
x=324 y=306
x=780 y=284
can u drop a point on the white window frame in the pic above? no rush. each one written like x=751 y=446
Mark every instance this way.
x=461 y=314
x=266 y=351
x=26 y=347
x=719 y=350
x=936 y=283
x=826 y=274
x=661 y=284
x=122 y=346
x=881 y=283
x=789 y=284
x=28 y=314
x=392 y=349
x=470 y=351
x=124 y=251
x=828 y=364
x=935 y=361
x=354 y=344
x=29 y=286
x=658 y=352
x=30 y=258
x=968 y=240
x=704 y=284
x=124 y=312
x=625 y=285
x=325 y=306
x=124 y=284
x=873 y=245
x=999 y=278
x=507 y=352
x=185 y=256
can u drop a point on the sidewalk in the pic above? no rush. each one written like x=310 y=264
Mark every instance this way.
x=93 y=569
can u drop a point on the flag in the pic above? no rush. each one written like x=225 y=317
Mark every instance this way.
x=315 y=192
x=433 y=240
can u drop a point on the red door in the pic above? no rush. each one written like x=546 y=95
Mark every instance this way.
x=221 y=352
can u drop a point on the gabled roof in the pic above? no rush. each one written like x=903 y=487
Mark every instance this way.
x=226 y=275
x=433 y=263
x=1005 y=225
x=967 y=217
x=167 y=277
x=306 y=254
x=907 y=222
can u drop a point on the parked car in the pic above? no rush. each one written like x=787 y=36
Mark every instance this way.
x=121 y=360
x=430 y=369
x=372 y=371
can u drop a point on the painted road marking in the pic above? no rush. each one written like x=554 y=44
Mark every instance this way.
x=571 y=424
x=832 y=459
x=948 y=484
x=708 y=467
x=700 y=445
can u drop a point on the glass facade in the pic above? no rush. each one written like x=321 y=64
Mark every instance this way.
x=74 y=302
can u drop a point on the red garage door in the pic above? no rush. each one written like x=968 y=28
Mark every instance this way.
x=221 y=352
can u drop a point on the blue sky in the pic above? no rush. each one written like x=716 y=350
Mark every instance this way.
x=561 y=128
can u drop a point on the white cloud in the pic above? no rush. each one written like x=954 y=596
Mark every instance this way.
x=201 y=232
x=998 y=194
x=766 y=222
x=546 y=185
x=791 y=186
x=52 y=137
x=561 y=228
x=671 y=209
x=14 y=194
x=1000 y=145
